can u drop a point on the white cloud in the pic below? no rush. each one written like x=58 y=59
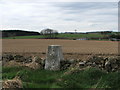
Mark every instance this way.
x=31 y=1
x=21 y=14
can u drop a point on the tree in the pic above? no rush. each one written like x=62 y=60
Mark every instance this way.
x=49 y=33
x=117 y=36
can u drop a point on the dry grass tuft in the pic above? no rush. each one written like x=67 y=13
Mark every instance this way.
x=13 y=63
x=15 y=83
x=33 y=64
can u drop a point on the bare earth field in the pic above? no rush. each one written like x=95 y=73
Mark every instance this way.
x=68 y=46
x=71 y=48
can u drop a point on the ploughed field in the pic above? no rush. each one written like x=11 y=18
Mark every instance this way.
x=68 y=46
x=23 y=62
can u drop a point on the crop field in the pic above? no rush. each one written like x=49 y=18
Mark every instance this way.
x=69 y=36
x=68 y=46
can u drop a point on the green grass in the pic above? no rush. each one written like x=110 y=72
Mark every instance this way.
x=59 y=36
x=80 y=35
x=89 y=78
x=32 y=78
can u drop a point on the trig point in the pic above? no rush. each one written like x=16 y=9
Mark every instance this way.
x=54 y=56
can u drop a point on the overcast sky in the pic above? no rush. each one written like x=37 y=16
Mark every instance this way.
x=34 y=15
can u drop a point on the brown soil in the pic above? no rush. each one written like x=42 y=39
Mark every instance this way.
x=72 y=49
x=68 y=46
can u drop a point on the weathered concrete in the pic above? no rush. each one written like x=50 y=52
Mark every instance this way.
x=54 y=56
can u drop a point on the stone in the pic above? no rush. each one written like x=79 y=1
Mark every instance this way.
x=54 y=56
x=93 y=65
x=89 y=63
x=8 y=57
x=33 y=64
x=64 y=64
x=72 y=61
x=38 y=60
x=108 y=66
x=27 y=59
x=81 y=64
x=19 y=58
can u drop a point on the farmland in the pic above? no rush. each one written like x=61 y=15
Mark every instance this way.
x=17 y=61
x=69 y=46
x=68 y=36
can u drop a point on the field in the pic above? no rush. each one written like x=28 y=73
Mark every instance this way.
x=68 y=46
x=68 y=36
x=73 y=76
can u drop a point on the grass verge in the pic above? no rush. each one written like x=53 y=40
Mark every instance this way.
x=89 y=78
x=68 y=36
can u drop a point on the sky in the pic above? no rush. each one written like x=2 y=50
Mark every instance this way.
x=36 y=15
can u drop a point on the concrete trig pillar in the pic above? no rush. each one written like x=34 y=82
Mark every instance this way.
x=54 y=56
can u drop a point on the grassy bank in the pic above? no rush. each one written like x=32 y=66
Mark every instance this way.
x=58 y=36
x=89 y=78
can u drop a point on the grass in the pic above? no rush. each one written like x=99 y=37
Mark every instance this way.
x=80 y=35
x=32 y=78
x=25 y=37
x=89 y=78
x=59 y=36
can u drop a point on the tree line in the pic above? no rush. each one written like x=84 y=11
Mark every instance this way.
x=12 y=33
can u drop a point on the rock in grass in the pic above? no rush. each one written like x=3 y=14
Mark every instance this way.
x=81 y=64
